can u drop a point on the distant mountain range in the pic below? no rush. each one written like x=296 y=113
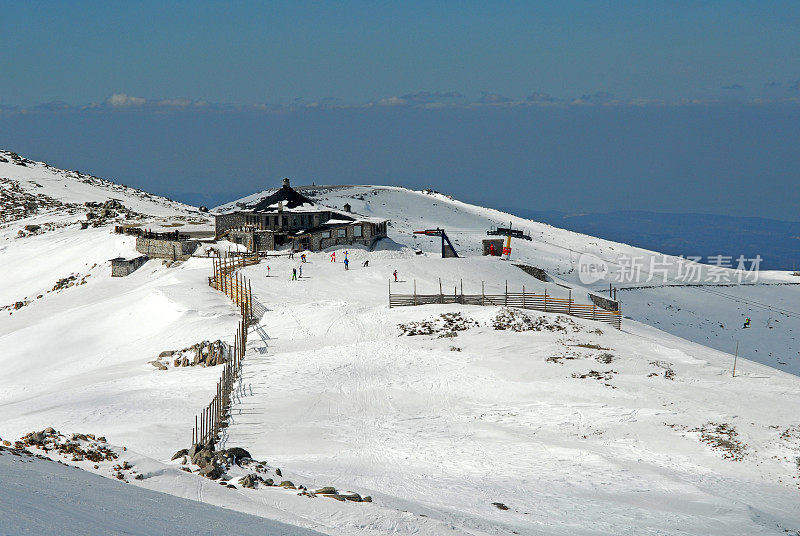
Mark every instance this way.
x=778 y=242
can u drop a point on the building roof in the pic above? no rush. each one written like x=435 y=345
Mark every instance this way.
x=334 y=224
x=286 y=196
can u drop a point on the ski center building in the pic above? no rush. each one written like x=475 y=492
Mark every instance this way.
x=287 y=217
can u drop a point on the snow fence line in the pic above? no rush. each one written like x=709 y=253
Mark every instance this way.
x=212 y=419
x=521 y=300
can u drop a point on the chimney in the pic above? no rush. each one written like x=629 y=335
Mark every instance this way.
x=286 y=183
x=347 y=207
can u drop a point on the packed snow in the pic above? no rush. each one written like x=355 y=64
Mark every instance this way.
x=42 y=497
x=454 y=419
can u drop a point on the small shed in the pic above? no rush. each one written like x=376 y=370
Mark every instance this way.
x=120 y=267
x=498 y=246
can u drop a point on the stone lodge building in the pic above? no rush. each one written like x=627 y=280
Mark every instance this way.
x=288 y=218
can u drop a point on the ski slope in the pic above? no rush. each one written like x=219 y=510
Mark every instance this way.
x=710 y=315
x=574 y=427
x=45 y=498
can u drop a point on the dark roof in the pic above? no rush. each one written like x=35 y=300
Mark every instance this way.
x=286 y=194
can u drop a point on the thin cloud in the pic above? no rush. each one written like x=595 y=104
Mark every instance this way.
x=772 y=83
x=540 y=97
x=53 y=106
x=733 y=86
x=493 y=98
x=391 y=101
x=424 y=97
x=121 y=100
x=598 y=97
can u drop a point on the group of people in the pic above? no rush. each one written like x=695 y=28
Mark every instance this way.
x=297 y=273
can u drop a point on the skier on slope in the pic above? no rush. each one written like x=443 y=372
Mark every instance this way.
x=346 y=264
x=294 y=274
x=333 y=256
x=746 y=323
x=395 y=276
x=300 y=271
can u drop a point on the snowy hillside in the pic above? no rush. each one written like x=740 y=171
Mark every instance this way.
x=711 y=315
x=34 y=193
x=454 y=419
x=80 y=503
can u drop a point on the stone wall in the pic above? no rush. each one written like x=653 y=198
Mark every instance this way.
x=538 y=273
x=175 y=250
x=369 y=235
x=604 y=303
x=223 y=222
x=122 y=267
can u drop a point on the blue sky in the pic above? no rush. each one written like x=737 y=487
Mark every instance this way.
x=572 y=106
x=356 y=52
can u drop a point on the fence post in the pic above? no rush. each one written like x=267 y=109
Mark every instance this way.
x=569 y=303
x=441 y=296
x=483 y=294
x=505 y=299
x=415 y=292
x=594 y=311
x=390 y=294
x=523 y=297
x=462 y=291
x=545 y=300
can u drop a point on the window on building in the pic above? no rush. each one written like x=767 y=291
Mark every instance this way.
x=356 y=230
x=326 y=234
x=341 y=233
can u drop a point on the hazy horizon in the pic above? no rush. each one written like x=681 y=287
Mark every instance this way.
x=729 y=159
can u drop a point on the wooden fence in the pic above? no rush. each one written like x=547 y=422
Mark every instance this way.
x=236 y=286
x=212 y=419
x=522 y=300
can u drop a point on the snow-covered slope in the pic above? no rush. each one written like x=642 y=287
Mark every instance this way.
x=42 y=497
x=574 y=427
x=711 y=315
x=34 y=193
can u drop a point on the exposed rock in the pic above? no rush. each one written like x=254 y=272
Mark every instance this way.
x=166 y=353
x=500 y=505
x=182 y=452
x=288 y=484
x=249 y=481
x=238 y=453
x=211 y=471
x=194 y=449
x=278 y=472
x=336 y=496
x=366 y=499
x=159 y=365
x=32 y=228
x=326 y=490
x=50 y=430
x=36 y=437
